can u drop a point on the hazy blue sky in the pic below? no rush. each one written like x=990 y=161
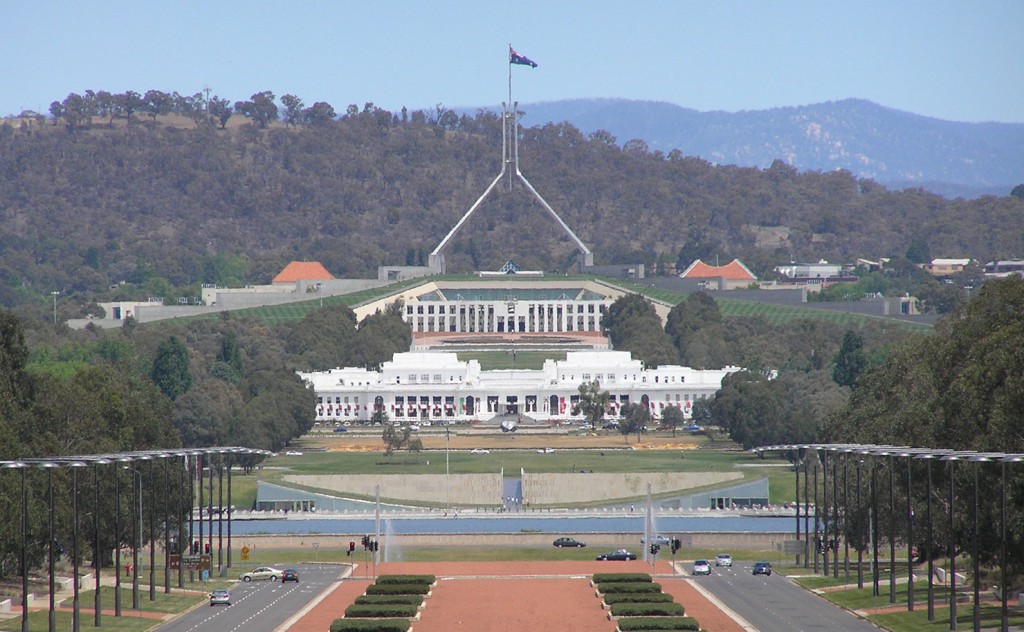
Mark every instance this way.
x=956 y=60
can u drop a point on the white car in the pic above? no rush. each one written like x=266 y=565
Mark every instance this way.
x=262 y=573
x=220 y=596
x=479 y=451
x=660 y=540
x=701 y=567
x=723 y=559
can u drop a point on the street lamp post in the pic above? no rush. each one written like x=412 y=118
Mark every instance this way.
x=862 y=531
x=55 y=293
x=952 y=540
x=796 y=469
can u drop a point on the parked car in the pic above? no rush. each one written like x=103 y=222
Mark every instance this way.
x=701 y=567
x=290 y=575
x=660 y=540
x=220 y=596
x=341 y=429
x=723 y=559
x=762 y=568
x=562 y=542
x=479 y=451
x=619 y=555
x=262 y=573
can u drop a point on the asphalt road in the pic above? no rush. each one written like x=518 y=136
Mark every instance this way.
x=775 y=604
x=259 y=606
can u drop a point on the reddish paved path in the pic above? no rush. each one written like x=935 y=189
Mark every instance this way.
x=515 y=597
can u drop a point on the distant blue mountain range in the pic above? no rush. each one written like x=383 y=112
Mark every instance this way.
x=895 y=148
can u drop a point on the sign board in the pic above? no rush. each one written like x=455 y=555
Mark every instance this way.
x=191 y=562
x=245 y=553
x=793 y=547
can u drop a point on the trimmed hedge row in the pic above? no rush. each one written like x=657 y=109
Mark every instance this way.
x=407 y=579
x=607 y=578
x=647 y=624
x=381 y=611
x=637 y=598
x=367 y=625
x=671 y=609
x=629 y=587
x=410 y=600
x=397 y=589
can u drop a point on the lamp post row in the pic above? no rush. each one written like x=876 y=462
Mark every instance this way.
x=838 y=512
x=119 y=460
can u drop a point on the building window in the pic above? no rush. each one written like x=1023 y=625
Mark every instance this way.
x=412 y=378
x=437 y=378
x=586 y=377
x=425 y=378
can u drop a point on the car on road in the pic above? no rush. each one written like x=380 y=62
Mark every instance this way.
x=570 y=542
x=619 y=555
x=762 y=568
x=341 y=429
x=660 y=540
x=723 y=559
x=262 y=573
x=290 y=575
x=701 y=567
x=220 y=596
x=479 y=451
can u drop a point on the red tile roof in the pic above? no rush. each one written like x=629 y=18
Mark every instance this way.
x=733 y=271
x=303 y=271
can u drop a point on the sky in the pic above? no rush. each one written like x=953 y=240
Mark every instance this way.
x=948 y=59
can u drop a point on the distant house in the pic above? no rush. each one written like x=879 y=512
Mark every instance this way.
x=1003 y=269
x=821 y=270
x=303 y=271
x=730 y=276
x=945 y=267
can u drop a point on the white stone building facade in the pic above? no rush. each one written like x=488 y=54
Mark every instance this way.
x=418 y=386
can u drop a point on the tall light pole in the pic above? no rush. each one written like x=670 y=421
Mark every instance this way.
x=54 y=294
x=447 y=472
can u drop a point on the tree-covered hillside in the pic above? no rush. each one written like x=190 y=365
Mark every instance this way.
x=165 y=203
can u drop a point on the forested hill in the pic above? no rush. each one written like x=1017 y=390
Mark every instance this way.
x=164 y=203
x=895 y=148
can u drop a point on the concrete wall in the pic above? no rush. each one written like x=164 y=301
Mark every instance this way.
x=560 y=489
x=539 y=489
x=465 y=489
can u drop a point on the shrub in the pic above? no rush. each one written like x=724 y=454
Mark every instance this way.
x=628 y=587
x=407 y=579
x=411 y=600
x=605 y=578
x=635 y=624
x=397 y=589
x=615 y=598
x=381 y=611
x=647 y=610
x=367 y=625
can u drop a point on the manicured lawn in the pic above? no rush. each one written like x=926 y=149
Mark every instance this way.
x=918 y=620
x=497 y=360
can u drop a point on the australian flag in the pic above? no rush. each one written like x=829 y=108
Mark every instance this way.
x=522 y=60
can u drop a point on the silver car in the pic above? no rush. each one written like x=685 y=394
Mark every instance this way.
x=220 y=596
x=262 y=573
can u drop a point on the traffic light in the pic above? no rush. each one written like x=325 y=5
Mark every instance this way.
x=376 y=545
x=676 y=545
x=366 y=542
x=351 y=547
x=655 y=548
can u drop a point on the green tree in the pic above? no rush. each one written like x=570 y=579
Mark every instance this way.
x=292 y=109
x=672 y=417
x=633 y=418
x=850 y=361
x=593 y=402
x=260 y=108
x=170 y=368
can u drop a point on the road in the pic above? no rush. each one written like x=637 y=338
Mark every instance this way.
x=775 y=604
x=258 y=606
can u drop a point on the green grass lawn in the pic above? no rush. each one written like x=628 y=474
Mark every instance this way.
x=918 y=620
x=497 y=360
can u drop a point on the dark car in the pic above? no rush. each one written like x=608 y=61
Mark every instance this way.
x=762 y=568
x=621 y=554
x=569 y=542
x=290 y=575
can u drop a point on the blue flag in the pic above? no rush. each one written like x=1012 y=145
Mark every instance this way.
x=522 y=60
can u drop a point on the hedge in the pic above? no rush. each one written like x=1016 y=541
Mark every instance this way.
x=381 y=611
x=411 y=600
x=636 y=624
x=648 y=610
x=635 y=598
x=629 y=587
x=407 y=579
x=397 y=589
x=370 y=625
x=605 y=578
